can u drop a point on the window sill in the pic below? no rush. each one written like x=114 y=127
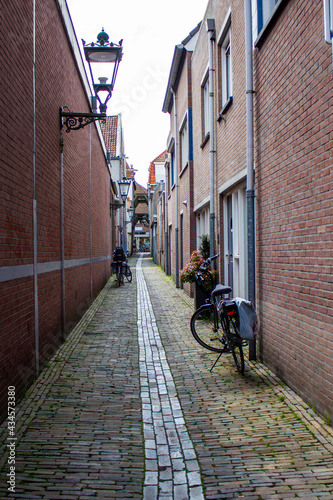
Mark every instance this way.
x=205 y=140
x=265 y=29
x=183 y=170
x=225 y=109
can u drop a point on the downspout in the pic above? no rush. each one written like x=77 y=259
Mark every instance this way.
x=166 y=224
x=34 y=201
x=210 y=23
x=62 y=239
x=250 y=163
x=176 y=188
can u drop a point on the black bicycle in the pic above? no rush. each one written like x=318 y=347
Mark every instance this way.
x=215 y=325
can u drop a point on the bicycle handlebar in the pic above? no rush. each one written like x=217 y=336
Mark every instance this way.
x=213 y=258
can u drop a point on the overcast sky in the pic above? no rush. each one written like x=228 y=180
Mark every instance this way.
x=150 y=29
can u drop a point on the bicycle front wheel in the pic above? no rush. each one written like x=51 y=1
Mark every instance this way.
x=128 y=275
x=205 y=331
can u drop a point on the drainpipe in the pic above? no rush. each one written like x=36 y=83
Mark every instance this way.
x=166 y=224
x=210 y=24
x=62 y=239
x=250 y=162
x=34 y=201
x=176 y=189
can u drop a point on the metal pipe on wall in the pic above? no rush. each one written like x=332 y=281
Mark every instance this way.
x=211 y=38
x=250 y=194
x=176 y=189
x=166 y=224
x=62 y=238
x=34 y=201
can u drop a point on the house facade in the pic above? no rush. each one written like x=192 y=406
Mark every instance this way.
x=179 y=159
x=113 y=136
x=55 y=192
x=157 y=221
x=293 y=118
x=282 y=116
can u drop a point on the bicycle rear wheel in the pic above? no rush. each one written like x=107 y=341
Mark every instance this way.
x=204 y=331
x=236 y=346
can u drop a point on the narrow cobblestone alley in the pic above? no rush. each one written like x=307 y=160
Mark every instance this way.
x=128 y=408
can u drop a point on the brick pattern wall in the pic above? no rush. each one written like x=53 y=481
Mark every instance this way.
x=186 y=233
x=86 y=188
x=230 y=131
x=294 y=177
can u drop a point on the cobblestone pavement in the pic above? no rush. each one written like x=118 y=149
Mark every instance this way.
x=128 y=408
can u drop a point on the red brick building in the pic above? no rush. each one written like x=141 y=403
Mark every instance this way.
x=55 y=191
x=294 y=190
x=179 y=160
x=293 y=173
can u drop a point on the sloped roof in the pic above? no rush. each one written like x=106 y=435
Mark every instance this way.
x=176 y=66
x=140 y=189
x=109 y=131
x=160 y=158
x=151 y=174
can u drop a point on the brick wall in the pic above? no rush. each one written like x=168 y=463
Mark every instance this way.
x=27 y=177
x=294 y=153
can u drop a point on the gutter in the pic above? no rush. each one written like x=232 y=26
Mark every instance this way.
x=250 y=194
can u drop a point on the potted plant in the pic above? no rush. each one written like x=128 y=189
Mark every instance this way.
x=188 y=275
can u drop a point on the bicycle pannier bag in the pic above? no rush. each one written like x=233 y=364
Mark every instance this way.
x=248 y=320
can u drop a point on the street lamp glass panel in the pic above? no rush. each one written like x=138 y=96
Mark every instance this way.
x=102 y=54
x=124 y=188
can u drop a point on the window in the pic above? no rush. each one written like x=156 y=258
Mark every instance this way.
x=261 y=12
x=235 y=241
x=184 y=149
x=205 y=107
x=202 y=225
x=172 y=168
x=226 y=69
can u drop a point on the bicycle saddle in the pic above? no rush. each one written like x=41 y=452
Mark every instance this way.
x=221 y=290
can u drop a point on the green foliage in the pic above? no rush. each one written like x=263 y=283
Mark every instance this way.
x=188 y=273
x=205 y=246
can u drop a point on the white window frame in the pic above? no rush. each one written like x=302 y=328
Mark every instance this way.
x=205 y=102
x=239 y=240
x=202 y=224
x=226 y=67
x=184 y=143
x=269 y=8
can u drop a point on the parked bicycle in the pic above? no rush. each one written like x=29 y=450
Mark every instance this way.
x=120 y=266
x=215 y=325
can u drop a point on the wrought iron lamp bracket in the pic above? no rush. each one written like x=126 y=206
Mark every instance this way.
x=75 y=121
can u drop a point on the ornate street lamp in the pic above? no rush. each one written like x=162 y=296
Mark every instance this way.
x=98 y=52
x=124 y=186
x=130 y=212
x=103 y=51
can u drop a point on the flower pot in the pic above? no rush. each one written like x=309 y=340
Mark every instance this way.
x=200 y=296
